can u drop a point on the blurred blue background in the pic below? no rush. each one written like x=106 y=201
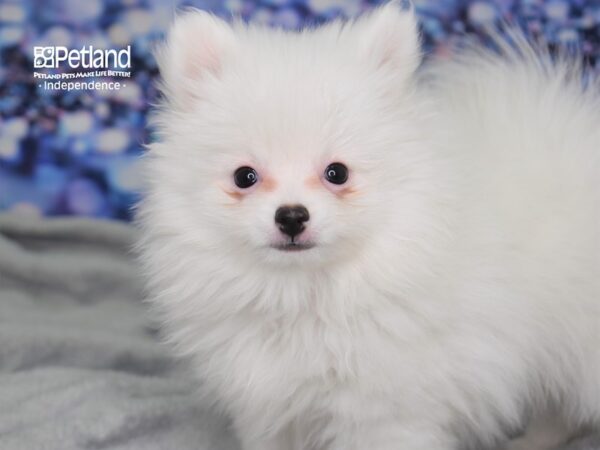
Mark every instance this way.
x=75 y=152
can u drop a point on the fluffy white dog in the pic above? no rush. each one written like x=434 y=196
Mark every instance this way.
x=355 y=255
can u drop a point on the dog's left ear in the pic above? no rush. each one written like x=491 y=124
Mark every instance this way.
x=389 y=37
x=196 y=47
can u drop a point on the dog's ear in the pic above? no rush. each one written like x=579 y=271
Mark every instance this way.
x=389 y=37
x=195 y=48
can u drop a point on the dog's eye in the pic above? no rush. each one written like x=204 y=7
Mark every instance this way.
x=336 y=173
x=245 y=177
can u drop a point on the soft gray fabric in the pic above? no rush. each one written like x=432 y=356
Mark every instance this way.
x=591 y=442
x=80 y=366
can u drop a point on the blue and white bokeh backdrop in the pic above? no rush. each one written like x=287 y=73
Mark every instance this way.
x=75 y=152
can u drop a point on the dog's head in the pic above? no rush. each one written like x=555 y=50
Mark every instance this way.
x=290 y=147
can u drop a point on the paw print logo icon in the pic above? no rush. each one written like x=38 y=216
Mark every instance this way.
x=43 y=57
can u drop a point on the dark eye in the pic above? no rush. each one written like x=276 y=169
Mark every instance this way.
x=245 y=177
x=336 y=173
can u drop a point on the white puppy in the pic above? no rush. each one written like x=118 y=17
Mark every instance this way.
x=355 y=256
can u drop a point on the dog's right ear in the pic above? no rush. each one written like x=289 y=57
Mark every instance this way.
x=389 y=38
x=194 y=51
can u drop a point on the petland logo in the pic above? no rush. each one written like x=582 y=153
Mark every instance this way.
x=86 y=58
x=99 y=63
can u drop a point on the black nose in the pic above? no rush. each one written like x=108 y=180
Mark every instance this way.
x=291 y=219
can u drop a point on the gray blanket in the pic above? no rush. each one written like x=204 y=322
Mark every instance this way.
x=80 y=364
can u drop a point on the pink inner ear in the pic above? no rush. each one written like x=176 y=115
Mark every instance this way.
x=202 y=58
x=387 y=56
x=391 y=50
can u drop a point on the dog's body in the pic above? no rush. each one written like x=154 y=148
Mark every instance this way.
x=438 y=298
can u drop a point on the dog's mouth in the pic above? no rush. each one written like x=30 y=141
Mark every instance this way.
x=293 y=246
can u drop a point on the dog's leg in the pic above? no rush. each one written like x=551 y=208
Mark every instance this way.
x=279 y=441
x=395 y=436
x=543 y=433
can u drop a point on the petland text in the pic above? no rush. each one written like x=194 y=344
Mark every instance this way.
x=84 y=58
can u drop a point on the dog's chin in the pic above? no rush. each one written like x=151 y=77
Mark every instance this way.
x=303 y=255
x=293 y=247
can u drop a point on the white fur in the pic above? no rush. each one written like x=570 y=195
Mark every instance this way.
x=453 y=294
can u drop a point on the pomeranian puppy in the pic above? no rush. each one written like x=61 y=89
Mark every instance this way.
x=356 y=255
